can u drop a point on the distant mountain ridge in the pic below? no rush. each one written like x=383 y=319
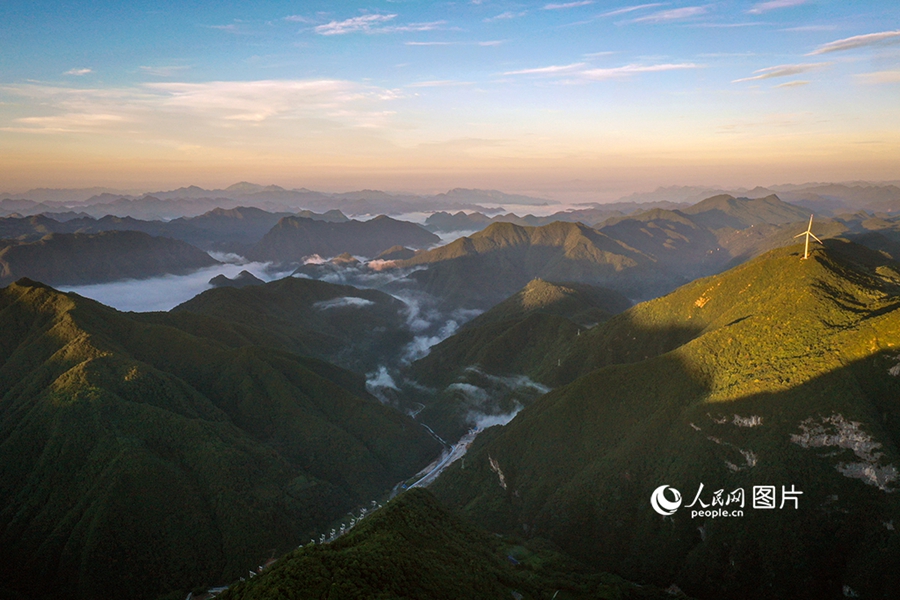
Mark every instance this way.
x=221 y=229
x=642 y=255
x=78 y=258
x=294 y=238
x=193 y=200
x=482 y=269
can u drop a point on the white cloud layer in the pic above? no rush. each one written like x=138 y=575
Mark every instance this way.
x=166 y=292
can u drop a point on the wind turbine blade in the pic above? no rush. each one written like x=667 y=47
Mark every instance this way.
x=815 y=238
x=799 y=234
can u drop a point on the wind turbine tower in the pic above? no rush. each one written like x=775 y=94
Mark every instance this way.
x=808 y=233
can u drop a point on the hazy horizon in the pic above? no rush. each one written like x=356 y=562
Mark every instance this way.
x=559 y=198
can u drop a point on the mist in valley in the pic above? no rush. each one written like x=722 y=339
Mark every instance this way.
x=166 y=292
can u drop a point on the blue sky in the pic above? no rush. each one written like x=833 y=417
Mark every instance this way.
x=428 y=95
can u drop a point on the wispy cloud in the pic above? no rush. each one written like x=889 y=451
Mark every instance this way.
x=764 y=7
x=78 y=72
x=628 y=9
x=781 y=71
x=879 y=77
x=298 y=19
x=363 y=23
x=578 y=70
x=429 y=26
x=858 y=41
x=728 y=25
x=439 y=83
x=551 y=70
x=484 y=43
x=675 y=14
x=232 y=28
x=628 y=70
x=505 y=16
x=345 y=302
x=811 y=28
x=68 y=123
x=568 y=5
x=790 y=84
x=163 y=71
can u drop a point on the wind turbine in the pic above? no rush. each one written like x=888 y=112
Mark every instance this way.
x=808 y=233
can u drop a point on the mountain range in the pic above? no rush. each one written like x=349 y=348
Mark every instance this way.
x=193 y=200
x=641 y=255
x=573 y=439
x=826 y=199
x=779 y=372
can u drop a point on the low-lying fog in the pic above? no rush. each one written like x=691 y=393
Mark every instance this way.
x=168 y=291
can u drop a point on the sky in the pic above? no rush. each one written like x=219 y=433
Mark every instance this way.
x=601 y=97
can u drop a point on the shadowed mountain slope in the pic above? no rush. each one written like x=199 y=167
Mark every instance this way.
x=352 y=327
x=135 y=456
x=415 y=548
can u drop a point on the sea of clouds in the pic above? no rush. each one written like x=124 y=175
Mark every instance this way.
x=168 y=291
